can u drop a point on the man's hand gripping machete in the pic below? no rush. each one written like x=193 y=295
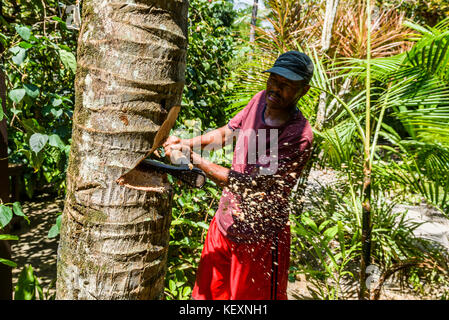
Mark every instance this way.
x=143 y=177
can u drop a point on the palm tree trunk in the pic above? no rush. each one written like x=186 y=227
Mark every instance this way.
x=130 y=72
x=366 y=191
x=252 y=33
x=326 y=37
x=329 y=19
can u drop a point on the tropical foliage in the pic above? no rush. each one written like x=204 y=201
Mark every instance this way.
x=396 y=99
x=426 y=12
x=207 y=72
x=385 y=115
x=40 y=65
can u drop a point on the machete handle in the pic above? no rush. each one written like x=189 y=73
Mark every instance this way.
x=178 y=158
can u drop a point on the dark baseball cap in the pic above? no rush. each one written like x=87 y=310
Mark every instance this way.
x=293 y=65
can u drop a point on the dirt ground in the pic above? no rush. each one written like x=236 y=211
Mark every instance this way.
x=36 y=249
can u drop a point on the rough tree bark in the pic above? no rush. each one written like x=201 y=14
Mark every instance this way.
x=130 y=72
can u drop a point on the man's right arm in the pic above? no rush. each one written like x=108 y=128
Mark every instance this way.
x=217 y=138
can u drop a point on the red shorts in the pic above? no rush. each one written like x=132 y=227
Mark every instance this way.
x=234 y=271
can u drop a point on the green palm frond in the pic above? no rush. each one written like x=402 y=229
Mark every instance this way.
x=431 y=124
x=422 y=31
x=430 y=55
x=431 y=157
x=434 y=190
x=339 y=144
x=422 y=167
x=426 y=31
x=443 y=25
x=381 y=68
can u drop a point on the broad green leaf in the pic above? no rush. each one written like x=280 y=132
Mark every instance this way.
x=17 y=208
x=56 y=112
x=24 y=32
x=67 y=149
x=8 y=237
x=299 y=230
x=323 y=225
x=68 y=59
x=31 y=90
x=25 y=45
x=310 y=223
x=16 y=111
x=53 y=232
x=56 y=228
x=56 y=102
x=38 y=142
x=58 y=221
x=58 y=19
x=5 y=215
x=27 y=285
x=186 y=291
x=8 y=262
x=16 y=95
x=55 y=141
x=19 y=55
x=172 y=285
x=331 y=232
x=32 y=126
x=203 y=225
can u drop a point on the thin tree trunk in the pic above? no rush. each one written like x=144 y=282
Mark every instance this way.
x=252 y=33
x=326 y=37
x=321 y=111
x=329 y=19
x=130 y=72
x=366 y=191
x=5 y=248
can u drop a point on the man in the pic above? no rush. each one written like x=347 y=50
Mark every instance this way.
x=247 y=249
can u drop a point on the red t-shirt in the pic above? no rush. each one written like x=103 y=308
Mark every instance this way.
x=249 y=212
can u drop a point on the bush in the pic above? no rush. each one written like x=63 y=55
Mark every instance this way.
x=212 y=46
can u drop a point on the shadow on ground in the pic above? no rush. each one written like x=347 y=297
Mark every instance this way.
x=34 y=247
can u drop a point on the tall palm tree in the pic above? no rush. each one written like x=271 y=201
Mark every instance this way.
x=130 y=72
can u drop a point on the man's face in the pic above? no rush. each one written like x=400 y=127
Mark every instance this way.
x=283 y=93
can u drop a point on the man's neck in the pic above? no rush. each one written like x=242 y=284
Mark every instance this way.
x=277 y=117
